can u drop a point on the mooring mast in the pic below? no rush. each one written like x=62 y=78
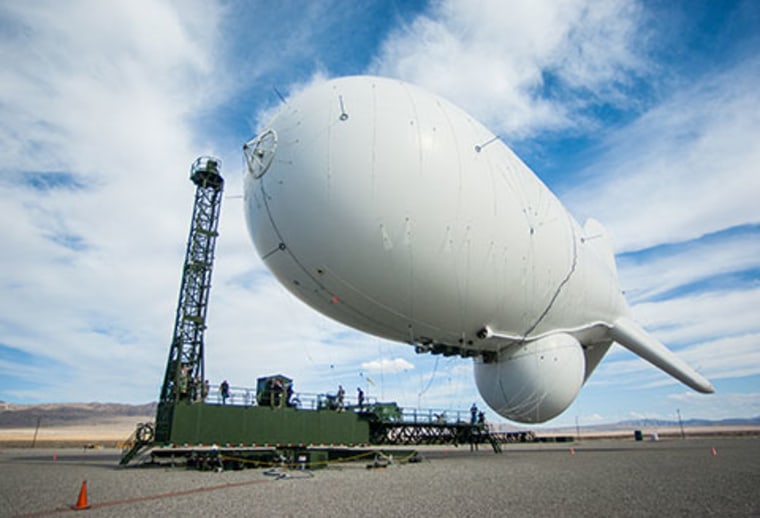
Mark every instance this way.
x=185 y=372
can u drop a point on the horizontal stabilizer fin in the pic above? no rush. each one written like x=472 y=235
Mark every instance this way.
x=632 y=336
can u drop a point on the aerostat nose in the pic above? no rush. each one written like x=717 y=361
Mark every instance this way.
x=259 y=152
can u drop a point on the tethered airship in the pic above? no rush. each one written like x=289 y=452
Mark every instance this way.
x=391 y=210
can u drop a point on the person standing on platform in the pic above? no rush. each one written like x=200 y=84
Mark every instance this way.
x=341 y=396
x=224 y=389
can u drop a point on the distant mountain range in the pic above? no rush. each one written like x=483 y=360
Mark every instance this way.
x=692 y=422
x=634 y=424
x=63 y=414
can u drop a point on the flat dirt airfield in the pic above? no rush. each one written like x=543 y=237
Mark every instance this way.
x=714 y=476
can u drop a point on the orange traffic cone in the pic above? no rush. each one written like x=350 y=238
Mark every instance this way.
x=82 y=500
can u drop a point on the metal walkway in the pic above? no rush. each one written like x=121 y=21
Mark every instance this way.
x=416 y=433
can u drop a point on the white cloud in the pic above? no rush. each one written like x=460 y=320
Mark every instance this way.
x=720 y=359
x=105 y=97
x=705 y=316
x=494 y=58
x=657 y=274
x=722 y=405
x=727 y=358
x=387 y=365
x=86 y=91
x=686 y=168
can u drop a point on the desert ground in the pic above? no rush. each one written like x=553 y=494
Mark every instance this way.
x=716 y=476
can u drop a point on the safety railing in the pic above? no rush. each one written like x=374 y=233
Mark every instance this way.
x=245 y=396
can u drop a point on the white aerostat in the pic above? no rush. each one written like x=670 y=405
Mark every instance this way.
x=393 y=211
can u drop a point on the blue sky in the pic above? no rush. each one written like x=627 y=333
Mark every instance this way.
x=640 y=114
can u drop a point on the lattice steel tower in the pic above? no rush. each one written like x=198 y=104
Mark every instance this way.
x=185 y=373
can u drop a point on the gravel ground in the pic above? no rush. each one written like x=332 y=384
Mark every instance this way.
x=600 y=478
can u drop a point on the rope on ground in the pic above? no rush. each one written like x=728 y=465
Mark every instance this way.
x=282 y=474
x=270 y=464
x=352 y=458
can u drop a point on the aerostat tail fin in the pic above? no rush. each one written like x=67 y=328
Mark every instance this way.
x=595 y=233
x=632 y=336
